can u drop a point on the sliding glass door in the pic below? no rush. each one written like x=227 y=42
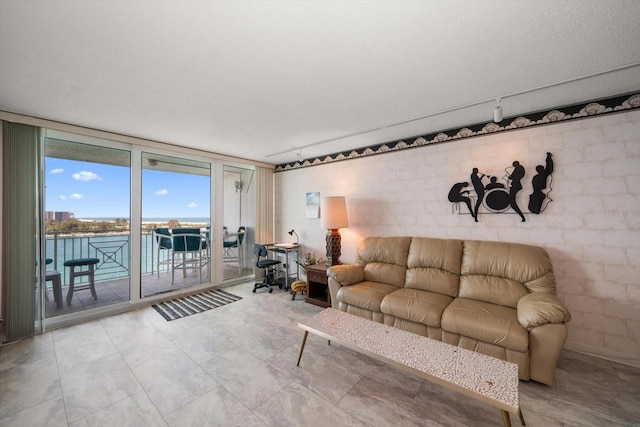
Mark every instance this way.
x=87 y=227
x=175 y=216
x=239 y=221
x=122 y=223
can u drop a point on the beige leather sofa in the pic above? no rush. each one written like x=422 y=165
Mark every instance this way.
x=494 y=298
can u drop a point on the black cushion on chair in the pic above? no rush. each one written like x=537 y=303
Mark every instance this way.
x=264 y=263
x=81 y=261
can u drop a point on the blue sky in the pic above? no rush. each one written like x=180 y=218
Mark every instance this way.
x=93 y=190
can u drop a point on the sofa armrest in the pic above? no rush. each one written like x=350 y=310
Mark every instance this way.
x=540 y=308
x=346 y=274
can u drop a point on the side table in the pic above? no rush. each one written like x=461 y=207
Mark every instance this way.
x=317 y=285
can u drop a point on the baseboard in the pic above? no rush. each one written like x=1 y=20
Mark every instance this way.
x=603 y=353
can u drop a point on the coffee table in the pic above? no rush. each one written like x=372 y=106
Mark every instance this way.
x=484 y=378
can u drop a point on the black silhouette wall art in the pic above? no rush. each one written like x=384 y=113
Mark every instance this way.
x=489 y=195
x=516 y=175
x=538 y=200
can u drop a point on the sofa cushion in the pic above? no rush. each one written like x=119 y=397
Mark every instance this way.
x=502 y=273
x=366 y=295
x=490 y=323
x=384 y=259
x=415 y=305
x=434 y=265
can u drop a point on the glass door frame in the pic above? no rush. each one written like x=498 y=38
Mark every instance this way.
x=135 y=223
x=137 y=211
x=75 y=317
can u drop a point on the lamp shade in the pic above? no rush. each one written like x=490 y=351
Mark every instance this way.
x=333 y=213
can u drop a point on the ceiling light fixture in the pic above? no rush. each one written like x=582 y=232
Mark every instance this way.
x=497 y=112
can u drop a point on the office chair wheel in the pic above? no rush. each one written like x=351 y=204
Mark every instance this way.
x=270 y=290
x=254 y=290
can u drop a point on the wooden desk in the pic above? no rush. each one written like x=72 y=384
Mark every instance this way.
x=317 y=285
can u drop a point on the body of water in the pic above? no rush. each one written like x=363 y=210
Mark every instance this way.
x=182 y=220
x=112 y=250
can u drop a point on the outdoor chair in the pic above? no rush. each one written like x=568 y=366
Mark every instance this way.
x=75 y=270
x=233 y=250
x=162 y=238
x=189 y=250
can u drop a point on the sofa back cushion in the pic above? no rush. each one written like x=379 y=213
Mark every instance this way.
x=502 y=273
x=434 y=265
x=384 y=259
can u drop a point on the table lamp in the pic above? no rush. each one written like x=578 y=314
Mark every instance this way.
x=333 y=216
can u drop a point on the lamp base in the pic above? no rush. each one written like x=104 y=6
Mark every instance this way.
x=334 y=243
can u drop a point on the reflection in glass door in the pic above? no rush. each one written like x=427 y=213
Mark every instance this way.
x=86 y=225
x=176 y=234
x=239 y=220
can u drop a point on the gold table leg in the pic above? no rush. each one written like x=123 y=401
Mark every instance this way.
x=506 y=419
x=521 y=417
x=304 y=340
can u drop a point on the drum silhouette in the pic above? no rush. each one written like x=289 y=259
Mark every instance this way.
x=496 y=200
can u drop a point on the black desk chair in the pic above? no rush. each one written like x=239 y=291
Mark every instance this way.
x=267 y=264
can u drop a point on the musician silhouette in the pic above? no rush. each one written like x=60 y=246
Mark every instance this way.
x=457 y=194
x=516 y=176
x=539 y=183
x=493 y=183
x=478 y=186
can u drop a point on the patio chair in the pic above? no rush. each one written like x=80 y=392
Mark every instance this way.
x=232 y=249
x=162 y=237
x=189 y=250
x=76 y=270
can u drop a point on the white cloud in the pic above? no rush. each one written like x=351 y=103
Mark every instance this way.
x=76 y=196
x=57 y=170
x=161 y=192
x=86 y=176
x=62 y=197
x=192 y=205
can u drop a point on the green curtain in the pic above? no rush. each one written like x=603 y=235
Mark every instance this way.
x=20 y=158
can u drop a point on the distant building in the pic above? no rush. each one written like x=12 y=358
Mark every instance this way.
x=58 y=216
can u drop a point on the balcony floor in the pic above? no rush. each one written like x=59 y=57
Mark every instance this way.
x=117 y=291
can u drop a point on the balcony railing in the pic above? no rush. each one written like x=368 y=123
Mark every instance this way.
x=111 y=248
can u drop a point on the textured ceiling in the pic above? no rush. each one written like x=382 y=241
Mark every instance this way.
x=251 y=79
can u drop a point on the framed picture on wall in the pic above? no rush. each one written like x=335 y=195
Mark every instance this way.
x=313 y=205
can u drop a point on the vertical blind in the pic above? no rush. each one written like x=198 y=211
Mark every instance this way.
x=19 y=254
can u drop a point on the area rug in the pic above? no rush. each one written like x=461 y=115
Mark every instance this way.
x=193 y=304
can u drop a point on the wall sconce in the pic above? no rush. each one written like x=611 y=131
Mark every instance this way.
x=238 y=186
x=497 y=112
x=292 y=232
x=333 y=216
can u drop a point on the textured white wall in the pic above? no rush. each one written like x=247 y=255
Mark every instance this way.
x=591 y=229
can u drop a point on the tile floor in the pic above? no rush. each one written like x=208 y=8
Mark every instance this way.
x=235 y=366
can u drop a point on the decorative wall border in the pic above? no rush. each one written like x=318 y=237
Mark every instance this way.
x=572 y=112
